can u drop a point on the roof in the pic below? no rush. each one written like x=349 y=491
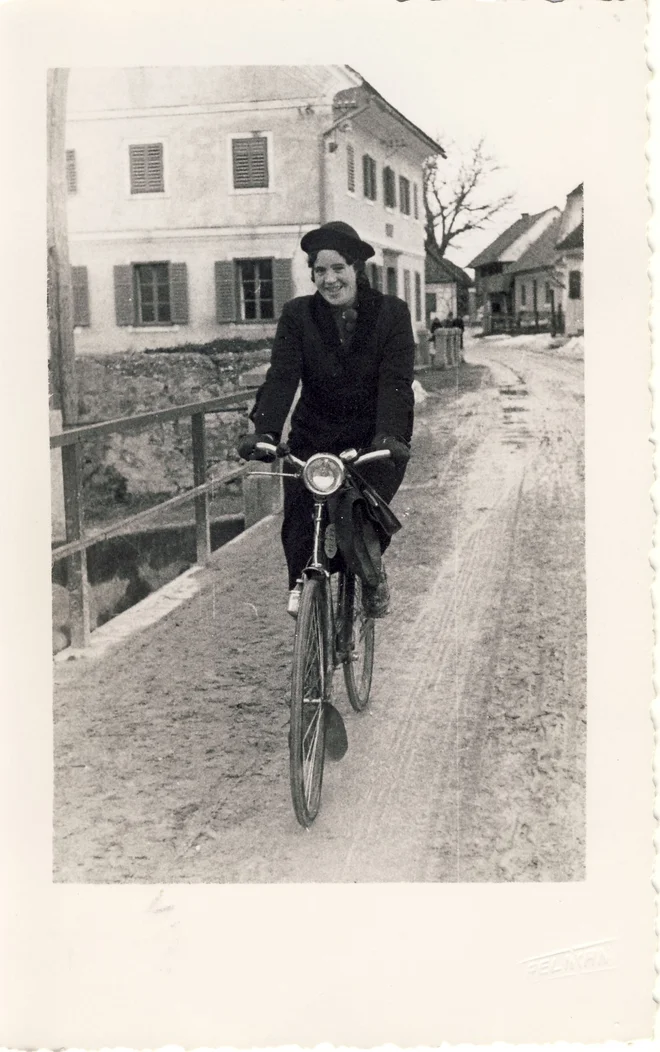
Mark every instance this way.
x=541 y=253
x=493 y=252
x=440 y=270
x=575 y=239
x=368 y=88
x=579 y=189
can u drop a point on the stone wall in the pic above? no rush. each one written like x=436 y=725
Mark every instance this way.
x=157 y=460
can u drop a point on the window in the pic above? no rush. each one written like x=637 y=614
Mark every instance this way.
x=523 y=295
x=71 y=172
x=80 y=289
x=406 y=286
x=416 y=200
x=418 y=296
x=375 y=275
x=574 y=285
x=369 y=177
x=250 y=162
x=548 y=293
x=391 y=281
x=150 y=294
x=255 y=283
x=251 y=289
x=146 y=168
x=350 y=168
x=389 y=188
x=404 y=195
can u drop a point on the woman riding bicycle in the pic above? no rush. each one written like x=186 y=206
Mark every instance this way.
x=352 y=349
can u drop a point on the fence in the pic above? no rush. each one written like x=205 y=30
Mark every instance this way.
x=258 y=495
x=551 y=321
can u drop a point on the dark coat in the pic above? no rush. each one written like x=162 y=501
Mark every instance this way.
x=349 y=394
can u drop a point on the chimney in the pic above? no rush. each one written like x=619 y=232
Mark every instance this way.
x=525 y=215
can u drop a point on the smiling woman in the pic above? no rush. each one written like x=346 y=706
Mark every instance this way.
x=352 y=349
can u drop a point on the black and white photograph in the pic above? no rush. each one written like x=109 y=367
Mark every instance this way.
x=240 y=239
x=342 y=364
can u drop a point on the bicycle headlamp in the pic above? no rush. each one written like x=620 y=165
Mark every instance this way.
x=323 y=474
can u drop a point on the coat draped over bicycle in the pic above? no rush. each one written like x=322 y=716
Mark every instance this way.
x=350 y=390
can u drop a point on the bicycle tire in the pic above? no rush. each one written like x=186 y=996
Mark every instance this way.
x=360 y=638
x=308 y=690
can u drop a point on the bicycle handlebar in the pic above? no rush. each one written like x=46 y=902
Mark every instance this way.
x=373 y=454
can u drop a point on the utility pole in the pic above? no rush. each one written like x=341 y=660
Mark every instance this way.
x=62 y=354
x=60 y=298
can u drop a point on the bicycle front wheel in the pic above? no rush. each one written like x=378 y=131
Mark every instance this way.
x=360 y=639
x=308 y=687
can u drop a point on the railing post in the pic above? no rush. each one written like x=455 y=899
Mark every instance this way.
x=259 y=499
x=202 y=523
x=77 y=563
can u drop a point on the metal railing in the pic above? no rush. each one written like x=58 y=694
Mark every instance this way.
x=71 y=440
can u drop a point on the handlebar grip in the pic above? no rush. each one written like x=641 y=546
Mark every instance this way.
x=374 y=454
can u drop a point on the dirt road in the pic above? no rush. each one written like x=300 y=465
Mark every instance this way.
x=170 y=753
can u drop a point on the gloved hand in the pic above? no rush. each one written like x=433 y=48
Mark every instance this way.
x=247 y=447
x=399 y=449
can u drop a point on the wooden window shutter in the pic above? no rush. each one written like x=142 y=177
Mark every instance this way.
x=124 y=298
x=416 y=200
x=146 y=168
x=365 y=174
x=179 y=293
x=250 y=162
x=282 y=284
x=350 y=167
x=80 y=295
x=225 y=291
x=71 y=172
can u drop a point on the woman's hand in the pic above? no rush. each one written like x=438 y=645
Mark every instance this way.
x=247 y=447
x=399 y=450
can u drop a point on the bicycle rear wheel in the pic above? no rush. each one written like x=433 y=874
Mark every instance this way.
x=359 y=640
x=308 y=688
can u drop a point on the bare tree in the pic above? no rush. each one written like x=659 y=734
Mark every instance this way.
x=456 y=195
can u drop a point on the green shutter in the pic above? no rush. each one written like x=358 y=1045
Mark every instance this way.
x=124 y=300
x=282 y=284
x=80 y=295
x=225 y=291
x=179 y=293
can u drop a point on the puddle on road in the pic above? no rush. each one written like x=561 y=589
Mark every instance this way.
x=514 y=392
x=515 y=409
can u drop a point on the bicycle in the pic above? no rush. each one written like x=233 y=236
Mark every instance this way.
x=332 y=629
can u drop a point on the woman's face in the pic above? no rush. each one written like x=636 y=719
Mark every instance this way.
x=335 y=279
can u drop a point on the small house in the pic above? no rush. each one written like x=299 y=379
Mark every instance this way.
x=494 y=278
x=570 y=261
x=447 y=288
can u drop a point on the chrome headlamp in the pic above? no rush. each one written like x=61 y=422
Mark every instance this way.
x=323 y=474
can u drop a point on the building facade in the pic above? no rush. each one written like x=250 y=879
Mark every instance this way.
x=494 y=280
x=447 y=288
x=570 y=261
x=189 y=191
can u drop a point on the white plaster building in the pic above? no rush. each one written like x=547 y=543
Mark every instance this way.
x=190 y=188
